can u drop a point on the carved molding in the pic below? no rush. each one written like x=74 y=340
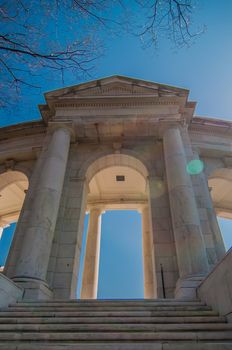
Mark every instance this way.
x=118 y=104
x=213 y=131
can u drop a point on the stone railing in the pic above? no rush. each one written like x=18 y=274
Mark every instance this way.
x=9 y=291
x=216 y=289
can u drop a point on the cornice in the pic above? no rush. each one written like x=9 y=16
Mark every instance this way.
x=214 y=127
x=198 y=120
x=22 y=130
x=117 y=83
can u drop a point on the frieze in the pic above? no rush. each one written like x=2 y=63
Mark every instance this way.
x=210 y=130
x=117 y=105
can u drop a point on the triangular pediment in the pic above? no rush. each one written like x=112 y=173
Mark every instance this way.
x=116 y=86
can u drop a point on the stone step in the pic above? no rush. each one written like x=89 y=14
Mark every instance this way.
x=117 y=336
x=107 y=308
x=115 y=327
x=57 y=300
x=105 y=313
x=89 y=303
x=106 y=320
x=118 y=346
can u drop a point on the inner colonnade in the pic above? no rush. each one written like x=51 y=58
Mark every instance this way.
x=116 y=143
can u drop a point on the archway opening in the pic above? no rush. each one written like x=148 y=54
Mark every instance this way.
x=225 y=225
x=13 y=187
x=121 y=260
x=220 y=184
x=119 y=191
x=121 y=265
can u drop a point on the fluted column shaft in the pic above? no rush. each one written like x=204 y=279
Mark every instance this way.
x=92 y=256
x=147 y=255
x=34 y=256
x=191 y=253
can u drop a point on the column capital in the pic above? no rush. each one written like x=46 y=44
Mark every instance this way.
x=94 y=207
x=143 y=207
x=165 y=126
x=66 y=125
x=170 y=128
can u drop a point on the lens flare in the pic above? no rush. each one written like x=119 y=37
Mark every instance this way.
x=195 y=167
x=158 y=189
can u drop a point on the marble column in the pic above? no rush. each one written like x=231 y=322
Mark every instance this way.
x=1 y=231
x=147 y=255
x=92 y=256
x=34 y=256
x=191 y=253
x=212 y=217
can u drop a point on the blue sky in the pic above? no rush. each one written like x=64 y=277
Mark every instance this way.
x=205 y=69
x=120 y=270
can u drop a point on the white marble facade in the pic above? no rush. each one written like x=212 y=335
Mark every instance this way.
x=88 y=136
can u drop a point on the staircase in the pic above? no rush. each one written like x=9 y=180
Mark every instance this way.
x=113 y=325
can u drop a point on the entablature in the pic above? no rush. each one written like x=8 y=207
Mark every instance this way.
x=212 y=137
x=117 y=97
x=21 y=142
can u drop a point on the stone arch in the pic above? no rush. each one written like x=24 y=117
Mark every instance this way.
x=112 y=159
x=220 y=183
x=25 y=168
x=211 y=165
x=9 y=177
x=13 y=186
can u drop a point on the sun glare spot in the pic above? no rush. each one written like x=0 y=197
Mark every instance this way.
x=159 y=188
x=195 y=167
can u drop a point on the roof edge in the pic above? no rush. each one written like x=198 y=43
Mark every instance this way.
x=97 y=82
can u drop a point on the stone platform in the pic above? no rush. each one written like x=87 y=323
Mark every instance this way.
x=161 y=324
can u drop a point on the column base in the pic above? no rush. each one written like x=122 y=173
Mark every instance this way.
x=149 y=292
x=186 y=288
x=34 y=289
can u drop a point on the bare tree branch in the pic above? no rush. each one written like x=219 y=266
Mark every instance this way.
x=33 y=41
x=170 y=18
